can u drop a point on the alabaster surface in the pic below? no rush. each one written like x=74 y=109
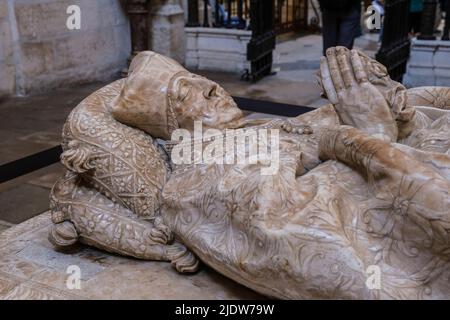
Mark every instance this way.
x=363 y=181
x=31 y=269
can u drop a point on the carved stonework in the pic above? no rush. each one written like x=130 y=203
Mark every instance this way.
x=363 y=183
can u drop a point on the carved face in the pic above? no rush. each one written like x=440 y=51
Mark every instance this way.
x=195 y=98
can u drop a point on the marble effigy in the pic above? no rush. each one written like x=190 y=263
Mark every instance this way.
x=361 y=187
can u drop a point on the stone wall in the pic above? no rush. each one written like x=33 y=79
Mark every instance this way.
x=38 y=52
x=7 y=69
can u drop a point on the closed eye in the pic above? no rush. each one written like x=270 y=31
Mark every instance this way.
x=211 y=92
x=185 y=91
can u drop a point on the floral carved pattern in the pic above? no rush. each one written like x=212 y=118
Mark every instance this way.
x=362 y=182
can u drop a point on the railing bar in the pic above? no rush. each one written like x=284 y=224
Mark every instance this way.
x=193 y=14
x=23 y=166
x=229 y=13
x=216 y=14
x=446 y=35
x=205 y=14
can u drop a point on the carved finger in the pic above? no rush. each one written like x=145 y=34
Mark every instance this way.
x=358 y=67
x=364 y=57
x=159 y=225
x=334 y=70
x=159 y=235
x=182 y=259
x=327 y=83
x=347 y=74
x=318 y=78
x=372 y=67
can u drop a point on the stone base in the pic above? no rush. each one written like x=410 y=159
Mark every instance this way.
x=217 y=49
x=30 y=268
x=429 y=64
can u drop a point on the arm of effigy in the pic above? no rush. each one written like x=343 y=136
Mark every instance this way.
x=408 y=183
x=81 y=213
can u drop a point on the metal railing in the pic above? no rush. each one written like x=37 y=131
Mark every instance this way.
x=289 y=15
x=428 y=21
x=219 y=13
x=395 y=44
x=262 y=43
x=446 y=32
x=254 y=15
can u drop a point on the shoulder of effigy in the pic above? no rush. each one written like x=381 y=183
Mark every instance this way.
x=100 y=101
x=95 y=111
